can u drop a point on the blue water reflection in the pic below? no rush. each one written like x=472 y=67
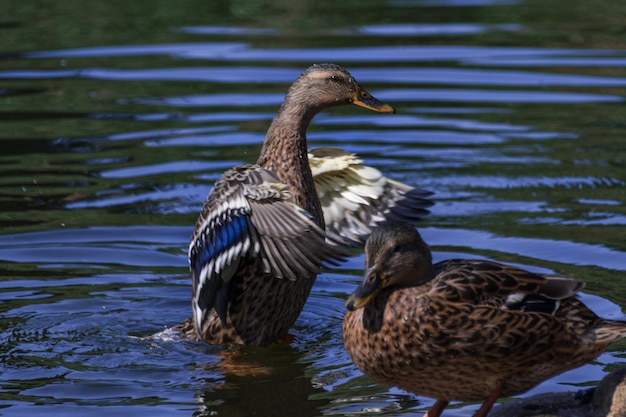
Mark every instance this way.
x=115 y=129
x=224 y=51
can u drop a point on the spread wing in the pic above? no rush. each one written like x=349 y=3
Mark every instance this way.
x=248 y=217
x=355 y=198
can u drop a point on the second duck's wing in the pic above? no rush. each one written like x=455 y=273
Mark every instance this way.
x=248 y=216
x=502 y=286
x=355 y=198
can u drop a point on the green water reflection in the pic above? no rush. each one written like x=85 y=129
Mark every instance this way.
x=108 y=146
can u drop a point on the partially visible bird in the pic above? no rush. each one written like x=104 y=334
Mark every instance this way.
x=260 y=238
x=465 y=330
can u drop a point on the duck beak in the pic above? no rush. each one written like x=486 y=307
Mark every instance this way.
x=366 y=291
x=364 y=99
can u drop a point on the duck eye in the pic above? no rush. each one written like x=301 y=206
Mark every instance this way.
x=396 y=249
x=335 y=78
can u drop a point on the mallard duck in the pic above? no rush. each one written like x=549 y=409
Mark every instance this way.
x=468 y=330
x=260 y=238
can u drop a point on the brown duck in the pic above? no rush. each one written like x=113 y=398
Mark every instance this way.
x=261 y=236
x=465 y=330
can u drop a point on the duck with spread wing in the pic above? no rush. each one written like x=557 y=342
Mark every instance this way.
x=266 y=229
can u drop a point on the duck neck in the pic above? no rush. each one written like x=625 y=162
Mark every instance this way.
x=285 y=152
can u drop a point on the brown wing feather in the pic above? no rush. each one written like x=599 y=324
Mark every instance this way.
x=292 y=245
x=249 y=215
x=491 y=283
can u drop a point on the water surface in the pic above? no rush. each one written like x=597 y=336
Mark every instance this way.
x=116 y=118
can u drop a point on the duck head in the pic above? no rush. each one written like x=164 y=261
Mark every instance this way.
x=395 y=255
x=329 y=85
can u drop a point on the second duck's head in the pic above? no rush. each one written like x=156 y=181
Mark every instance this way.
x=395 y=255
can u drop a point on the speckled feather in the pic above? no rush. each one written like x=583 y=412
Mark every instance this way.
x=468 y=328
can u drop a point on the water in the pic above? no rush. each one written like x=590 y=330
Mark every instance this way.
x=116 y=118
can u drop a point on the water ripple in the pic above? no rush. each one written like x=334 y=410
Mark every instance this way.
x=409 y=75
x=224 y=51
x=546 y=249
x=490 y=96
x=484 y=181
x=449 y=29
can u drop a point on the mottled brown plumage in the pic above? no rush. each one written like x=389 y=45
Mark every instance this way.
x=464 y=329
x=260 y=239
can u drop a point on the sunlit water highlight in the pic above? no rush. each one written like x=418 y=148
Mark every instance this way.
x=110 y=147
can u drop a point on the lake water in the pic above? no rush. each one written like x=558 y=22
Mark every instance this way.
x=117 y=117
